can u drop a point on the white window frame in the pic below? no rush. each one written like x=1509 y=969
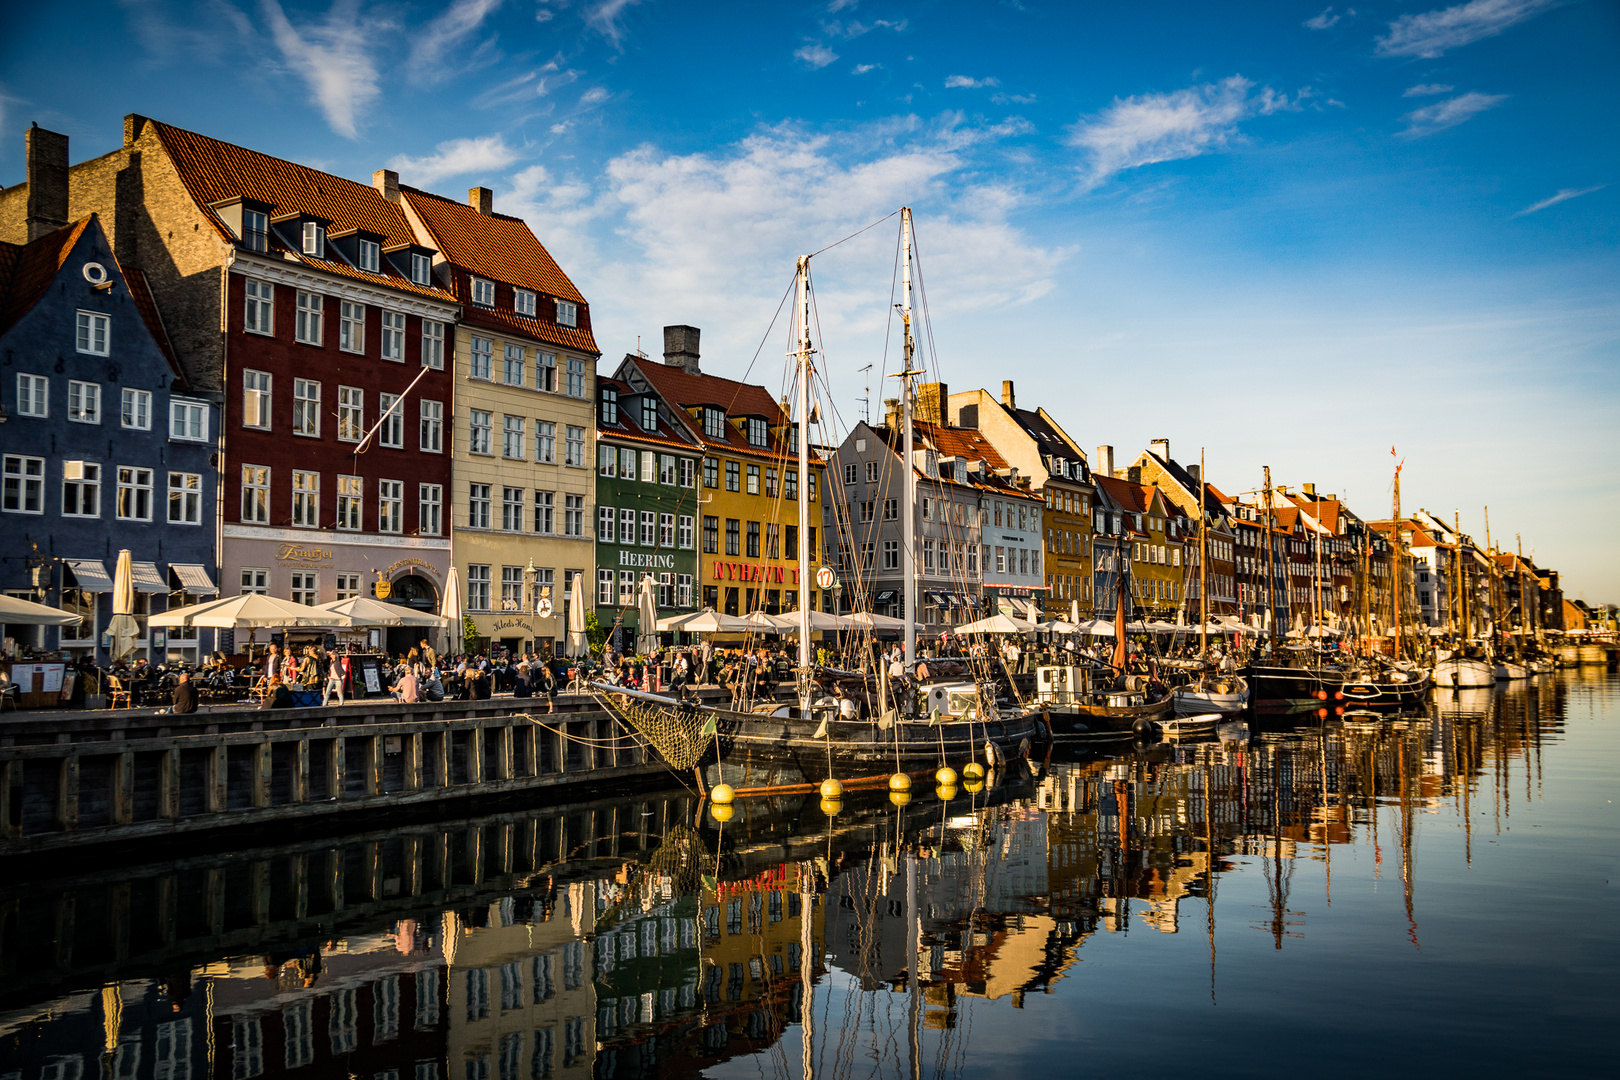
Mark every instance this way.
x=93 y=333
x=135 y=409
x=348 y=585
x=255 y=581
x=481 y=358
x=573 y=515
x=391 y=432
x=311 y=322
x=433 y=344
x=84 y=402
x=545 y=442
x=514 y=361
x=483 y=292
x=136 y=480
x=33 y=395
x=370 y=253
x=307 y=408
x=185 y=491
x=352 y=327
x=545 y=512
x=606 y=524
x=351 y=503
x=391 y=506
x=481 y=432
x=421 y=269
x=576 y=377
x=430 y=429
x=306 y=499
x=511 y=508
x=477 y=586
x=685 y=538
x=429 y=509
x=256 y=399
x=545 y=372
x=260 y=506
x=567 y=313
x=93 y=482
x=524 y=302
x=477 y=506
x=23 y=476
x=314 y=239
x=255 y=230
x=512 y=437
x=391 y=346
x=351 y=414
x=574 y=446
x=258 y=307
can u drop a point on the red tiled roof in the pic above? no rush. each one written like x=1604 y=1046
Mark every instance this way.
x=965 y=443
x=628 y=426
x=738 y=399
x=141 y=291
x=1134 y=498
x=32 y=267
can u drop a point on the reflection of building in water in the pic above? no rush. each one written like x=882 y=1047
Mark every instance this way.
x=126 y=1031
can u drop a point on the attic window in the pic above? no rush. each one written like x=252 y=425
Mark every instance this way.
x=758 y=431
x=610 y=407
x=567 y=314
x=714 y=423
x=421 y=269
x=523 y=302
x=370 y=256
x=255 y=230
x=649 y=413
x=315 y=239
x=483 y=292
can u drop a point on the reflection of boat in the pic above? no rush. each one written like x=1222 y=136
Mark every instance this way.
x=1233 y=731
x=1463 y=671
x=1464 y=703
x=1189 y=727
x=1507 y=671
x=1224 y=694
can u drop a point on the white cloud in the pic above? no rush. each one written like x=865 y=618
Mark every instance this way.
x=594 y=96
x=1325 y=20
x=1152 y=128
x=434 y=40
x=967 y=82
x=456 y=157
x=815 y=54
x=1427 y=90
x=1013 y=99
x=333 y=57
x=1564 y=195
x=862 y=69
x=604 y=17
x=1433 y=33
x=855 y=28
x=1449 y=113
x=836 y=6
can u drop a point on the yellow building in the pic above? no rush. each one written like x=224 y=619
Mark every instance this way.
x=523 y=428
x=1155 y=532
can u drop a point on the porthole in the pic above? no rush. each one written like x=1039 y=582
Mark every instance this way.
x=95 y=273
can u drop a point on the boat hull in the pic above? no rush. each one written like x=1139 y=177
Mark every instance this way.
x=1282 y=684
x=1193 y=701
x=747 y=738
x=1105 y=723
x=1463 y=673
x=1383 y=692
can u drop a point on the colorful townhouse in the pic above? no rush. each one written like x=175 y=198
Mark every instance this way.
x=1152 y=531
x=1185 y=487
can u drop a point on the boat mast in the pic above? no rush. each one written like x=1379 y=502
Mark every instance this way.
x=802 y=284
x=908 y=543
x=1398 y=581
x=1203 y=565
x=1465 y=628
x=1271 y=568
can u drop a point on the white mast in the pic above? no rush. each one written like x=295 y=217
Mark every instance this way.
x=908 y=543
x=802 y=284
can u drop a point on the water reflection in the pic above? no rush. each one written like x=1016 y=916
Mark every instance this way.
x=629 y=938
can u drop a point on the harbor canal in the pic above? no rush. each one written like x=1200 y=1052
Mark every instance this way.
x=1428 y=894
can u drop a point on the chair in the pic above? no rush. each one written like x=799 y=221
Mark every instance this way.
x=116 y=692
x=10 y=693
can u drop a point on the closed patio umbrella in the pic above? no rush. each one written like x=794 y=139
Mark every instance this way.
x=646 y=617
x=577 y=645
x=450 y=612
x=123 y=627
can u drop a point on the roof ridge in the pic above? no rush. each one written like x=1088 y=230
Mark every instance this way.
x=161 y=127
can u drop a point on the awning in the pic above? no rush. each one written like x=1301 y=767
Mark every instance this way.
x=89 y=575
x=147 y=578
x=884 y=597
x=937 y=599
x=193 y=579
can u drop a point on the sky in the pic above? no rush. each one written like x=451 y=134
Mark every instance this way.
x=1287 y=234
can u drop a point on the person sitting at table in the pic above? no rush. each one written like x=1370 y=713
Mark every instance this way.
x=277 y=696
x=184 y=699
x=522 y=684
x=406 y=688
x=432 y=688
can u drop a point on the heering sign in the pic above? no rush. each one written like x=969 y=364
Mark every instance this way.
x=651 y=562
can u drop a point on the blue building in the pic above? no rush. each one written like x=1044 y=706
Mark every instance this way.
x=103 y=448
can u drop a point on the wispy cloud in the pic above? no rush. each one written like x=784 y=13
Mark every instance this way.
x=1428 y=89
x=862 y=69
x=967 y=82
x=855 y=28
x=1013 y=99
x=594 y=96
x=487 y=154
x=333 y=56
x=815 y=54
x=1564 y=195
x=836 y=6
x=1449 y=113
x=1433 y=33
x=1327 y=19
x=1152 y=128
x=448 y=31
x=606 y=18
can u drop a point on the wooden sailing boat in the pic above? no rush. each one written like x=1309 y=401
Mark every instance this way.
x=1223 y=694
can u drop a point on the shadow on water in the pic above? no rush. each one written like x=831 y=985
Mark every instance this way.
x=642 y=936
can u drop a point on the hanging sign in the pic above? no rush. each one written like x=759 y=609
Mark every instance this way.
x=824 y=578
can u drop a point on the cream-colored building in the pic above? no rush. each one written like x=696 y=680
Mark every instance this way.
x=523 y=425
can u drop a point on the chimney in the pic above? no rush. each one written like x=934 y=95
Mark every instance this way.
x=1161 y=448
x=891 y=412
x=1133 y=473
x=387 y=182
x=1105 y=461
x=1007 y=397
x=482 y=200
x=47 y=181
x=931 y=401
x=1197 y=473
x=134 y=123
x=681 y=348
x=1310 y=490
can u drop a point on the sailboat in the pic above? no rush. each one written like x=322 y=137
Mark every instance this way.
x=1221 y=693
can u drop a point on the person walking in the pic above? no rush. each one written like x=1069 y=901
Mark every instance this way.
x=334 y=679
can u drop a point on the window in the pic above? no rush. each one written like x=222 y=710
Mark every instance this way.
x=773 y=547
x=351 y=413
x=928 y=556
x=545 y=442
x=866 y=555
x=871 y=472
x=370 y=256
x=185 y=498
x=649 y=413
x=770 y=483
x=851 y=473
x=315 y=239
x=431 y=437
x=711 y=472
x=733 y=476
x=393 y=336
x=134 y=493
x=512 y=437
x=627 y=526
x=84 y=402
x=627 y=587
x=255 y=495
x=567 y=314
x=812 y=493
x=429 y=507
x=573 y=515
x=545 y=371
x=421 y=269
x=258 y=308
x=688 y=470
x=866 y=510
x=891 y=554
x=606 y=518
x=24 y=485
x=545 y=509
x=255 y=230
x=733 y=536
x=391 y=506
x=391 y=429
x=478 y=506
x=483 y=292
x=791 y=548
x=306 y=499
x=478 y=587
x=574 y=450
x=758 y=432
x=686 y=532
x=523 y=302
x=305 y=587
x=81 y=489
x=604 y=586
x=649 y=529
x=311 y=310
x=607 y=411
x=649 y=465
x=306 y=407
x=433 y=344
x=480 y=432
x=512 y=365
x=607 y=460
x=348 y=586
x=576 y=377
x=711 y=535
x=351 y=327
x=714 y=423
x=92 y=333
x=512 y=509
x=33 y=395
x=753 y=539
x=351 y=489
x=481 y=359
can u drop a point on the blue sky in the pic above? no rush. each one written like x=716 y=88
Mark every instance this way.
x=1290 y=233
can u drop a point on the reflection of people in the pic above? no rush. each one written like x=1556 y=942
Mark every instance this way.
x=185 y=694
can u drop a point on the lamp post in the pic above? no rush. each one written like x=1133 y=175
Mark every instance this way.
x=530 y=600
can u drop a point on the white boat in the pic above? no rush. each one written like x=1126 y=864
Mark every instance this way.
x=1189 y=727
x=1510 y=672
x=1463 y=671
x=1227 y=695
x=1540 y=666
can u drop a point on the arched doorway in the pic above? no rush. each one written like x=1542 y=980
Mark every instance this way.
x=419 y=594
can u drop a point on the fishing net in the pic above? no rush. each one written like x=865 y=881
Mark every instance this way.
x=682 y=857
x=680 y=733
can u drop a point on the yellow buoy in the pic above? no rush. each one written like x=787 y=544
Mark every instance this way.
x=946 y=775
x=899 y=798
x=831 y=807
x=831 y=789
x=946 y=792
x=721 y=794
x=974 y=786
x=722 y=811
x=899 y=782
x=973 y=771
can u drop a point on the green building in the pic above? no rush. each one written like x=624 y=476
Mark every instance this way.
x=647 y=504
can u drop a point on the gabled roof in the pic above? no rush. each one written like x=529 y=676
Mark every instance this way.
x=141 y=291
x=965 y=443
x=684 y=391
x=27 y=270
x=629 y=425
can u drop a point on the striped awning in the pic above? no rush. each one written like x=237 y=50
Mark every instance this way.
x=89 y=575
x=147 y=578
x=193 y=578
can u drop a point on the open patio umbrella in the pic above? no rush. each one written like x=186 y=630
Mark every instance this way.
x=368 y=612
x=28 y=613
x=450 y=612
x=869 y=620
x=123 y=627
x=998 y=624
x=646 y=617
x=762 y=623
x=250 y=611
x=710 y=621
x=788 y=621
x=578 y=646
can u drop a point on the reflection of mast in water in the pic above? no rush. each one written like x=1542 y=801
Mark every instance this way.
x=1278 y=880
x=913 y=949
x=1209 y=848
x=807 y=897
x=1406 y=844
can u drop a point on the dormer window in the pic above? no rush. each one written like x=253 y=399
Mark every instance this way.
x=315 y=239
x=421 y=269
x=609 y=407
x=758 y=432
x=255 y=230
x=370 y=258
x=649 y=413
x=567 y=313
x=483 y=292
x=523 y=302
x=714 y=423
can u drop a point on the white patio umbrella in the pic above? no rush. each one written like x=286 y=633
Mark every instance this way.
x=1062 y=626
x=368 y=612
x=578 y=646
x=788 y=621
x=762 y=623
x=450 y=612
x=710 y=621
x=869 y=620
x=998 y=624
x=123 y=627
x=250 y=611
x=28 y=613
x=678 y=622
x=1096 y=628
x=646 y=617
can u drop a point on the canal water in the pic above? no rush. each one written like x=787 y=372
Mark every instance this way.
x=1424 y=895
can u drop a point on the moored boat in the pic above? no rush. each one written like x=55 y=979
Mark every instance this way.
x=1227 y=695
x=1463 y=672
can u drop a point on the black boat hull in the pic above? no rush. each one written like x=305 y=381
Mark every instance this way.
x=746 y=739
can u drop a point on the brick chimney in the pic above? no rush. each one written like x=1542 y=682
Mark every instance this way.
x=1104 y=465
x=1007 y=397
x=1310 y=491
x=1133 y=473
x=681 y=348
x=931 y=402
x=387 y=182
x=891 y=413
x=47 y=181
x=482 y=200
x=1161 y=447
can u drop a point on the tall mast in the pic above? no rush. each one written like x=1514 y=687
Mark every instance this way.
x=1398 y=579
x=1203 y=564
x=1271 y=567
x=802 y=283
x=908 y=542
x=1464 y=619
x=1490 y=576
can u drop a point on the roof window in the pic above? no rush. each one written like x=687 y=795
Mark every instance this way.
x=567 y=314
